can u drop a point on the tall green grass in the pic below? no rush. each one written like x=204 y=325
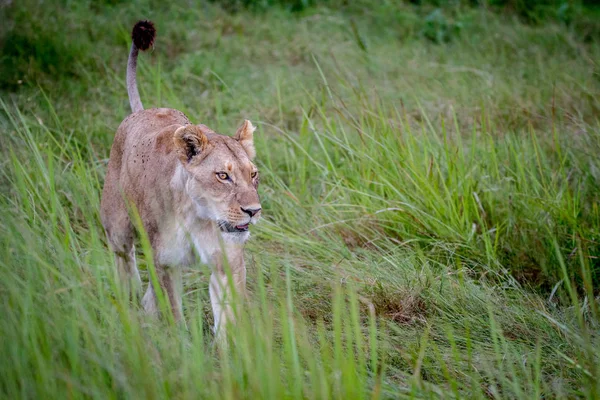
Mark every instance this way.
x=431 y=213
x=459 y=323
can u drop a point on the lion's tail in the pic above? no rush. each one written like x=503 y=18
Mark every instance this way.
x=143 y=37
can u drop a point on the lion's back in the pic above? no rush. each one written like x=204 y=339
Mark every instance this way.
x=134 y=151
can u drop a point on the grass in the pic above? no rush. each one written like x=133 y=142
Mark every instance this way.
x=431 y=219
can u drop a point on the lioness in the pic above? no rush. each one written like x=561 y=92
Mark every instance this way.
x=195 y=191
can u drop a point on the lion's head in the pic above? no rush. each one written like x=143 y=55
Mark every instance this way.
x=222 y=180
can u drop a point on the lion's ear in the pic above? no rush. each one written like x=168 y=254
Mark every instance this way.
x=189 y=141
x=245 y=135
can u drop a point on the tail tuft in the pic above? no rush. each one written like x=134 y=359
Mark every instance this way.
x=143 y=34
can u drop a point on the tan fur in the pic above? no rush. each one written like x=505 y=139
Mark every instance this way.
x=167 y=169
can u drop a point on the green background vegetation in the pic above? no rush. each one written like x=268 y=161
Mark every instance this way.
x=429 y=177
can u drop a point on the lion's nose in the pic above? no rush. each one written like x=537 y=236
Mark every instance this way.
x=251 y=211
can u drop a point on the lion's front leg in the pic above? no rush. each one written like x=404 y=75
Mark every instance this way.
x=169 y=280
x=223 y=291
x=128 y=272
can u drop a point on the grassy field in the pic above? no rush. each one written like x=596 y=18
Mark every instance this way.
x=430 y=186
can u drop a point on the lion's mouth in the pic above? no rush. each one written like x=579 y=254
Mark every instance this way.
x=227 y=227
x=242 y=227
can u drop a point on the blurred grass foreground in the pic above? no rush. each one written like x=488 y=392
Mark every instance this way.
x=430 y=187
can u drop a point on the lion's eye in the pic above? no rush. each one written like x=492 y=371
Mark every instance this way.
x=222 y=176
x=253 y=175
